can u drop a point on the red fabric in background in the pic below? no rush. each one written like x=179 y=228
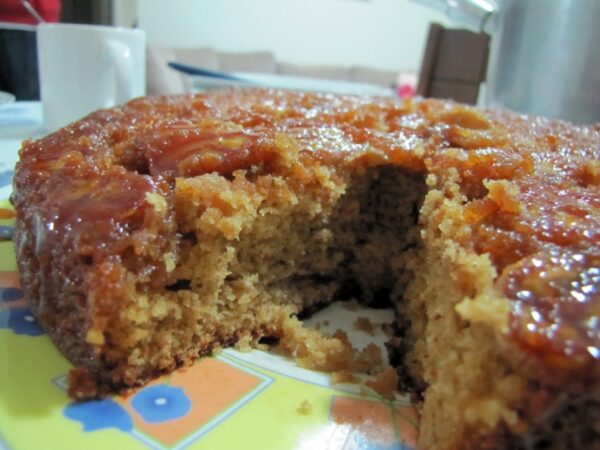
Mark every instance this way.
x=13 y=11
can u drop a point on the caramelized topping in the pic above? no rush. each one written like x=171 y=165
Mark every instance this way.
x=191 y=152
x=556 y=308
x=98 y=213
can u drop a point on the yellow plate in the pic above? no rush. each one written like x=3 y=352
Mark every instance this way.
x=254 y=400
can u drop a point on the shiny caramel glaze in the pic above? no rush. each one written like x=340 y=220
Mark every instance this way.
x=529 y=186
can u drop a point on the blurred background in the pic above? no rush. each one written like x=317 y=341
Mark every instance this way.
x=542 y=54
x=378 y=34
x=379 y=42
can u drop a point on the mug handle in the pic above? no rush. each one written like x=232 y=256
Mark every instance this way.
x=119 y=55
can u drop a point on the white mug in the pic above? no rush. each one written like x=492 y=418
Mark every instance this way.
x=83 y=68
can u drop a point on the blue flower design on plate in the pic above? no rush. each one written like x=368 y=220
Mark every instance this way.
x=99 y=414
x=6 y=232
x=6 y=177
x=161 y=403
x=10 y=294
x=361 y=441
x=399 y=446
x=20 y=321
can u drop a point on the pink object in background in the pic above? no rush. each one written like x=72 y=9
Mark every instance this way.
x=406 y=85
x=405 y=91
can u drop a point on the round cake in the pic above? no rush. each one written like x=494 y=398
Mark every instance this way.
x=150 y=234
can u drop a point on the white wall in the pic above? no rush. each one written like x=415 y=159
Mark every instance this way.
x=383 y=34
x=124 y=13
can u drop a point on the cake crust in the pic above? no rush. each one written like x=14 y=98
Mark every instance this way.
x=138 y=228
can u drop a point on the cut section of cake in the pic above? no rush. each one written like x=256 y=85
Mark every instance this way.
x=150 y=234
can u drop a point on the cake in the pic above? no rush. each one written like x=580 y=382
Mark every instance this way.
x=154 y=232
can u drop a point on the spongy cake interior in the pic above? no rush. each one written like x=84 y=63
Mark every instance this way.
x=257 y=249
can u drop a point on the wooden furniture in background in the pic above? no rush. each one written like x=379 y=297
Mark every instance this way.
x=454 y=64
